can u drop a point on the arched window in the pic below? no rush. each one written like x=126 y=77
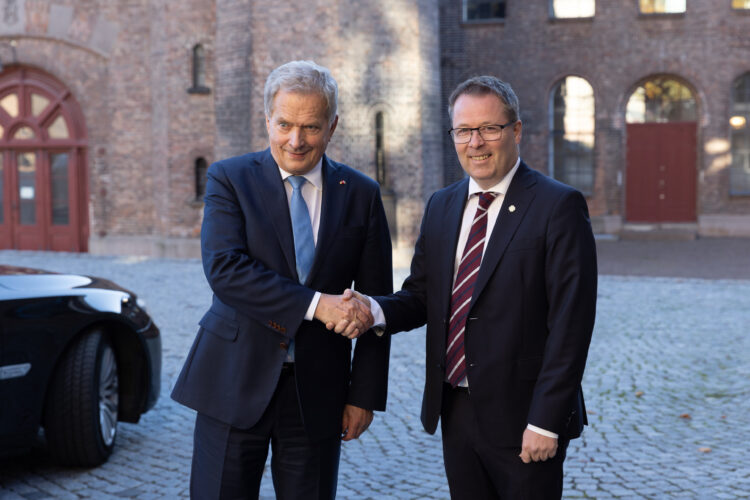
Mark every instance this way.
x=572 y=140
x=739 y=174
x=199 y=71
x=201 y=166
x=661 y=100
x=380 y=170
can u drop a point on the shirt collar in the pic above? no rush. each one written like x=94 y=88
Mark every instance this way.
x=314 y=176
x=501 y=187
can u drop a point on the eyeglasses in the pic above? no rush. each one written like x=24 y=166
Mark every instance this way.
x=486 y=132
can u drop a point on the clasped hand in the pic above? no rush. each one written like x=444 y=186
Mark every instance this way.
x=347 y=314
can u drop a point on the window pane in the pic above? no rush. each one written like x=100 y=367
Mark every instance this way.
x=58 y=129
x=484 y=9
x=662 y=6
x=24 y=133
x=27 y=187
x=661 y=100
x=739 y=173
x=10 y=104
x=573 y=8
x=741 y=4
x=59 y=188
x=380 y=149
x=201 y=167
x=199 y=64
x=38 y=104
x=573 y=133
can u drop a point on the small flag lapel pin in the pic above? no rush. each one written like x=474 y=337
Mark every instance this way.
x=342 y=182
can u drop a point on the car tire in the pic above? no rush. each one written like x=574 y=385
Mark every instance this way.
x=80 y=421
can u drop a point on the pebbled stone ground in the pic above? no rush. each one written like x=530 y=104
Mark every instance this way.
x=667 y=387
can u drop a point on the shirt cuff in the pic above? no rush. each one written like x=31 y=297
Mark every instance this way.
x=310 y=314
x=377 y=312
x=538 y=430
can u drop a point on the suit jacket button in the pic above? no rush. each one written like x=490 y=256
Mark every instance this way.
x=284 y=345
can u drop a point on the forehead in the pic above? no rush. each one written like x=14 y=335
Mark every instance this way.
x=473 y=109
x=298 y=106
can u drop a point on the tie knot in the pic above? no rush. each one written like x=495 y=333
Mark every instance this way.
x=296 y=181
x=486 y=198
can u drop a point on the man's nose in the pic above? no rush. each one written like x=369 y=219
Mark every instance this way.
x=476 y=139
x=296 y=139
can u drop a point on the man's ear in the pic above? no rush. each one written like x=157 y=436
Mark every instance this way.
x=333 y=126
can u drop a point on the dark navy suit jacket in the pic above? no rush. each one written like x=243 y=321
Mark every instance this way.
x=259 y=306
x=532 y=310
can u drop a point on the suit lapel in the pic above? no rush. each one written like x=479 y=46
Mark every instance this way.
x=516 y=203
x=271 y=189
x=449 y=227
x=333 y=205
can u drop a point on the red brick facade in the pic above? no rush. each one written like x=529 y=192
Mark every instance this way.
x=129 y=66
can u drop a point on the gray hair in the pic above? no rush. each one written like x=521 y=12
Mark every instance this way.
x=305 y=77
x=483 y=85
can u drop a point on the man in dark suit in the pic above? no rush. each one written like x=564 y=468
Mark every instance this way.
x=284 y=229
x=504 y=274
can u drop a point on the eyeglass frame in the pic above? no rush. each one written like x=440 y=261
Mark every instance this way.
x=478 y=129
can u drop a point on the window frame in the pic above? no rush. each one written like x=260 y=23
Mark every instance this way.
x=488 y=20
x=557 y=171
x=554 y=17
x=744 y=80
x=661 y=14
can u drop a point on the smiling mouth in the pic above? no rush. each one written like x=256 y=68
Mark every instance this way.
x=481 y=157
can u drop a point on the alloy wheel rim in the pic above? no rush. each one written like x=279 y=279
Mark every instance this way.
x=108 y=396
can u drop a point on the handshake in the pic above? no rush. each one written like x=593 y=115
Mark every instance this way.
x=347 y=314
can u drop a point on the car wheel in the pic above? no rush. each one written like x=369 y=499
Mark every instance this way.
x=80 y=421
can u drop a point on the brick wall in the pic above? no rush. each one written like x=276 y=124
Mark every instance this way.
x=707 y=47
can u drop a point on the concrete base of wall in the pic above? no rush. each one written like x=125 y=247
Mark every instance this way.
x=150 y=246
x=185 y=248
x=724 y=225
x=706 y=226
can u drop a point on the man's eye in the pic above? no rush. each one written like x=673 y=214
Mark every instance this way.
x=491 y=129
x=311 y=128
x=461 y=132
x=283 y=125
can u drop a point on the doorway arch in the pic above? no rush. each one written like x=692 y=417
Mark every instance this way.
x=661 y=175
x=43 y=144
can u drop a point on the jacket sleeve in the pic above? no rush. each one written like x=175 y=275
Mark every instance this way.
x=407 y=308
x=369 y=379
x=237 y=279
x=571 y=283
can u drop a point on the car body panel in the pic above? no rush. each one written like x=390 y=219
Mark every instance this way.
x=41 y=313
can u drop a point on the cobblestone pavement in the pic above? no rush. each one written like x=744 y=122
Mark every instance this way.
x=663 y=349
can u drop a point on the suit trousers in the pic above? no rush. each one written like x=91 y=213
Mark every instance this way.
x=228 y=462
x=477 y=469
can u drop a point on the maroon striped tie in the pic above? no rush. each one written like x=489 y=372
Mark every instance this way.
x=468 y=269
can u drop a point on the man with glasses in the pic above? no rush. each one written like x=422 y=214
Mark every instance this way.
x=504 y=274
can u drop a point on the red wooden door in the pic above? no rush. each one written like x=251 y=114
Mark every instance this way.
x=661 y=172
x=42 y=166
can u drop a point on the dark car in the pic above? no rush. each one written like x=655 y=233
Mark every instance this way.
x=77 y=354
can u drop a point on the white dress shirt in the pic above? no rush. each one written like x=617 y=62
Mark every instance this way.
x=312 y=193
